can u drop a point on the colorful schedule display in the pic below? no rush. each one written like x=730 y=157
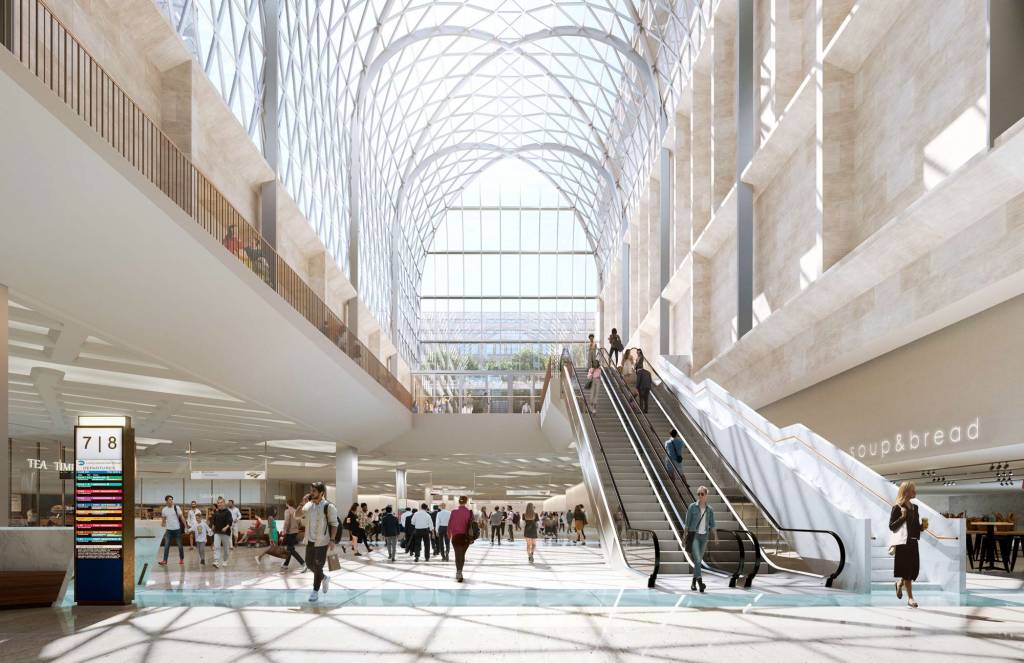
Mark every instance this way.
x=99 y=493
x=101 y=560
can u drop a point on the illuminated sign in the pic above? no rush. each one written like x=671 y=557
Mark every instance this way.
x=528 y=493
x=103 y=568
x=245 y=475
x=914 y=440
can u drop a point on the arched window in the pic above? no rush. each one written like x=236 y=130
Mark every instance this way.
x=510 y=276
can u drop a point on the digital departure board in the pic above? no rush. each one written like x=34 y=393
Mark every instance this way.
x=104 y=514
x=99 y=493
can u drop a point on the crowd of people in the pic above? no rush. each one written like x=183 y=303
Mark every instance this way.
x=315 y=530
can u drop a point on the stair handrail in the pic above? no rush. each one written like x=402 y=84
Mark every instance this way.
x=750 y=495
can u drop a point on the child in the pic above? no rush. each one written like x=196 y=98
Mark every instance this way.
x=201 y=531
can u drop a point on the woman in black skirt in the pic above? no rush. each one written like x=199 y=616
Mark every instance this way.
x=907 y=561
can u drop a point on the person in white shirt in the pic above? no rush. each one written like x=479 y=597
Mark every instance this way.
x=423 y=527
x=321 y=518
x=236 y=516
x=192 y=517
x=444 y=546
x=200 y=531
x=173 y=521
x=526 y=409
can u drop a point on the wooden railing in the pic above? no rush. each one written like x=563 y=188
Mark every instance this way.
x=45 y=46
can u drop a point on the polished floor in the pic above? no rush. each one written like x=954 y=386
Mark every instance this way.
x=567 y=604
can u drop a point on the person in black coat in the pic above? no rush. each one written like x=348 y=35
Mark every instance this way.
x=644 y=383
x=907 y=562
x=389 y=527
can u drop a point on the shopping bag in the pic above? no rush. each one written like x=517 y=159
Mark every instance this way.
x=333 y=563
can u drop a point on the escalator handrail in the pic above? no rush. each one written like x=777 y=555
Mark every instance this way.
x=750 y=495
x=645 y=428
x=570 y=374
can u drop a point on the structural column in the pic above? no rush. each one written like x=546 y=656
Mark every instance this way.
x=624 y=290
x=346 y=476
x=400 y=489
x=1005 y=74
x=5 y=450
x=744 y=152
x=667 y=178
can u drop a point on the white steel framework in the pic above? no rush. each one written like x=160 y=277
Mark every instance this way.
x=388 y=109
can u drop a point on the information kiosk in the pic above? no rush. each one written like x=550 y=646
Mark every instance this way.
x=104 y=511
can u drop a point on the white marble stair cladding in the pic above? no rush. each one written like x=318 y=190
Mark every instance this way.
x=624 y=473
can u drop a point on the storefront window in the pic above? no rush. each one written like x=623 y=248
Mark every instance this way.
x=39 y=496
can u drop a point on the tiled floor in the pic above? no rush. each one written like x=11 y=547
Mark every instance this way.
x=568 y=604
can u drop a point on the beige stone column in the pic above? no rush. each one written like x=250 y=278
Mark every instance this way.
x=5 y=425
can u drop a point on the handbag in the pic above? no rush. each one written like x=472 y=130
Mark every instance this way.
x=333 y=563
x=898 y=538
x=690 y=533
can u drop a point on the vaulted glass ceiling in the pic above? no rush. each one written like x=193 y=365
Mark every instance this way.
x=388 y=109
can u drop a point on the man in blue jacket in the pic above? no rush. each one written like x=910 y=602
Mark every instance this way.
x=674 y=451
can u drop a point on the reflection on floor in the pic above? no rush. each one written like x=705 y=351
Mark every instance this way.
x=568 y=605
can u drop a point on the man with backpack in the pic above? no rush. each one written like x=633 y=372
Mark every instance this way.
x=674 y=450
x=463 y=530
x=173 y=521
x=321 y=519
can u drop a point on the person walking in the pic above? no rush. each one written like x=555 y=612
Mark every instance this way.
x=363 y=524
x=484 y=521
x=628 y=370
x=389 y=527
x=406 y=528
x=321 y=519
x=236 y=517
x=567 y=524
x=222 y=520
x=460 y=529
x=510 y=523
x=906 y=526
x=614 y=346
x=200 y=532
x=173 y=522
x=530 y=531
x=593 y=373
x=674 y=453
x=495 y=524
x=423 y=528
x=192 y=517
x=272 y=536
x=291 y=535
x=442 y=521
x=579 y=519
x=700 y=520
x=644 y=384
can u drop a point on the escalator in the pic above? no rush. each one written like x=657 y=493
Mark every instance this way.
x=628 y=511
x=741 y=517
x=736 y=550
x=776 y=541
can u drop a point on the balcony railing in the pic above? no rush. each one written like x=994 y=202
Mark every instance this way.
x=45 y=46
x=478 y=392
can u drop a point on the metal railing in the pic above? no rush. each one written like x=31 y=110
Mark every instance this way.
x=775 y=547
x=674 y=484
x=476 y=392
x=640 y=548
x=48 y=49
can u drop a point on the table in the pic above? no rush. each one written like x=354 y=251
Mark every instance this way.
x=988 y=549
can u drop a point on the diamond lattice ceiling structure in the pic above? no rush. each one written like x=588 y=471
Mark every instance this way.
x=389 y=108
